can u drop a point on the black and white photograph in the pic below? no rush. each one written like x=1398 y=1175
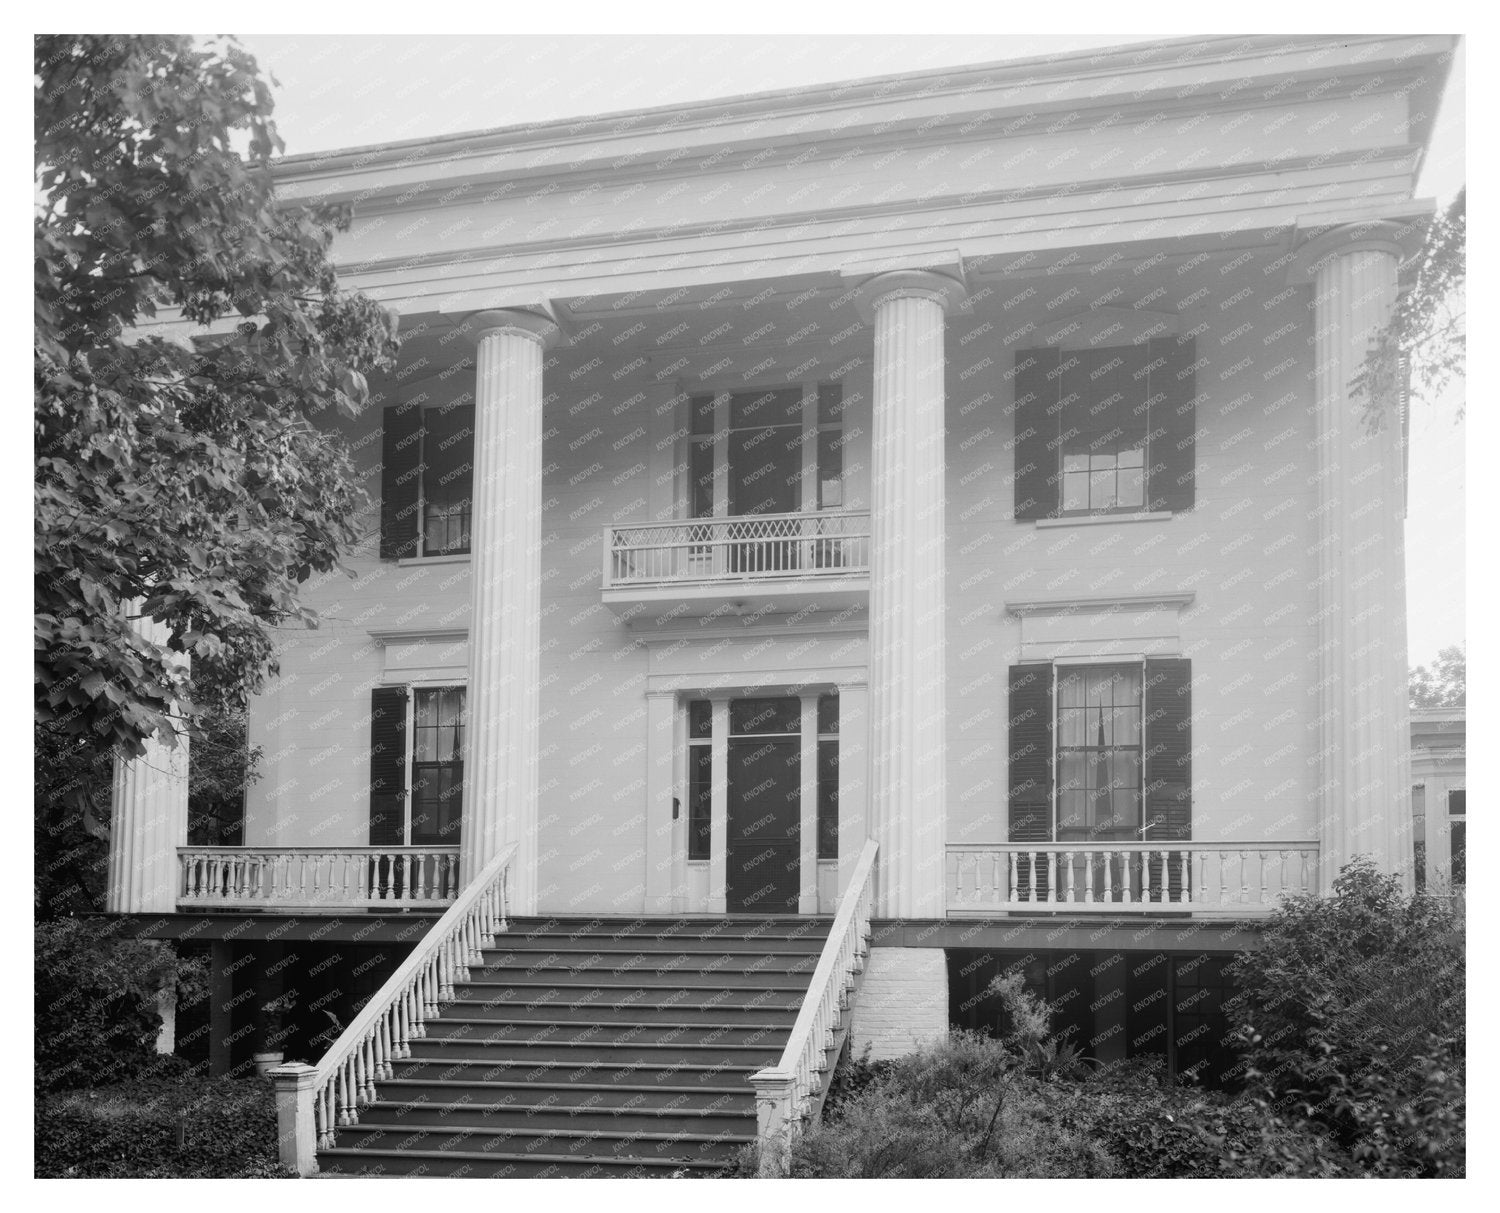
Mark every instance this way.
x=786 y=603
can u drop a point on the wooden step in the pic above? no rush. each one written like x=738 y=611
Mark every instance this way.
x=471 y=1022
x=581 y=1052
x=735 y=967
x=483 y=1004
x=465 y=1164
x=444 y=1061
x=722 y=1146
x=726 y=1097
x=534 y=1116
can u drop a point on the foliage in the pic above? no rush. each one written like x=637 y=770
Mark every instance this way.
x=95 y=1002
x=1351 y=1013
x=130 y=1130
x=186 y=483
x=1425 y=336
x=1444 y=685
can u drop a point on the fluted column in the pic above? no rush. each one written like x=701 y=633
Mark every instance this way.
x=1364 y=732
x=148 y=819
x=908 y=751
x=503 y=702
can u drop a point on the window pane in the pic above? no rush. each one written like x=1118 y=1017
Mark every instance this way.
x=1071 y=773
x=700 y=801
x=1456 y=800
x=1070 y=730
x=756 y=716
x=700 y=718
x=1076 y=491
x=1102 y=490
x=1132 y=487
x=828 y=713
x=701 y=411
x=830 y=403
x=701 y=476
x=1070 y=687
x=1078 y=462
x=828 y=799
x=1133 y=458
x=780 y=407
x=830 y=469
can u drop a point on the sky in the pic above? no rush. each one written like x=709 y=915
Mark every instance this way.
x=342 y=91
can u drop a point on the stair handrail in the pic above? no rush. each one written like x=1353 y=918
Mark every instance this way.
x=313 y=1102
x=784 y=1092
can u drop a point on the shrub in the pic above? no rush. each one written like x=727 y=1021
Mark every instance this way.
x=95 y=1002
x=1351 y=1014
x=130 y=1130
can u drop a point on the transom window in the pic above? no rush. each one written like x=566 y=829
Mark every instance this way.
x=1099 y=754
x=1105 y=429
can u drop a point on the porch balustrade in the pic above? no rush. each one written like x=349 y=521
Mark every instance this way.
x=754 y=547
x=323 y=878
x=1227 y=879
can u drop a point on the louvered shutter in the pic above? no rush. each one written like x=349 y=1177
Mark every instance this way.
x=401 y=482
x=1169 y=762
x=1030 y=731
x=1038 y=491
x=1172 y=454
x=387 y=766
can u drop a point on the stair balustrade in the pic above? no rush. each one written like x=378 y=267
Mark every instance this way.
x=1211 y=879
x=314 y=1102
x=790 y=1091
x=314 y=878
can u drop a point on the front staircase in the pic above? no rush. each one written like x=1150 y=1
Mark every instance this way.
x=592 y=1047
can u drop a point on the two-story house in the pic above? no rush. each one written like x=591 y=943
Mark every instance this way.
x=826 y=547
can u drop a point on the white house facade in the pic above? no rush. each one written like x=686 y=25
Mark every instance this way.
x=922 y=524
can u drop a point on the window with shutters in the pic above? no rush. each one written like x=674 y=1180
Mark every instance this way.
x=1100 y=751
x=427 y=480
x=1105 y=431
x=416 y=765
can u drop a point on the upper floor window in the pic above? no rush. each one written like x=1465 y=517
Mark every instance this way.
x=427 y=480
x=773 y=451
x=1105 y=430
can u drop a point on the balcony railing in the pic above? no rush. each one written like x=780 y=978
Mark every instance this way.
x=759 y=547
x=1228 y=879
x=317 y=878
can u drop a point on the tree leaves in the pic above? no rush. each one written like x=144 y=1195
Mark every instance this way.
x=192 y=478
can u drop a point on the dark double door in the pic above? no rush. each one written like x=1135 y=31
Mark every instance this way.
x=763 y=860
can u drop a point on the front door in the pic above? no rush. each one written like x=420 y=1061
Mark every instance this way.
x=764 y=853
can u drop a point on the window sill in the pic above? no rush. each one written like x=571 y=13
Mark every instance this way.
x=1104 y=519
x=406 y=561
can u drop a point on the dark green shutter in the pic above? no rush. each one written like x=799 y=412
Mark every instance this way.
x=1038 y=492
x=401 y=482
x=1030 y=732
x=1169 y=764
x=1172 y=455
x=387 y=766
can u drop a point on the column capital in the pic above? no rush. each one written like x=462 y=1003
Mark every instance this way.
x=943 y=289
x=540 y=328
x=1316 y=251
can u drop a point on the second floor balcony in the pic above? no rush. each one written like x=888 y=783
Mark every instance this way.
x=780 y=562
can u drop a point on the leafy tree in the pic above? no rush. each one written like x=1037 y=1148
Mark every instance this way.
x=187 y=481
x=1445 y=684
x=1423 y=343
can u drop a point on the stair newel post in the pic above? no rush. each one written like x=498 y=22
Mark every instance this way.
x=296 y=1123
x=775 y=1092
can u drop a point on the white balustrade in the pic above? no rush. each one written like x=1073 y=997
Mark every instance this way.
x=306 y=878
x=344 y=1080
x=756 y=547
x=1227 y=879
x=785 y=1093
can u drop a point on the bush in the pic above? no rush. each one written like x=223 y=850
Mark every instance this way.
x=1351 y=1014
x=130 y=1130
x=95 y=1002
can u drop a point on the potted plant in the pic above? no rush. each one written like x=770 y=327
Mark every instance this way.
x=272 y=1034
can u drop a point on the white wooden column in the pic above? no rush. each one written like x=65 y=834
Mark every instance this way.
x=1364 y=731
x=504 y=691
x=908 y=758
x=148 y=818
x=665 y=837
